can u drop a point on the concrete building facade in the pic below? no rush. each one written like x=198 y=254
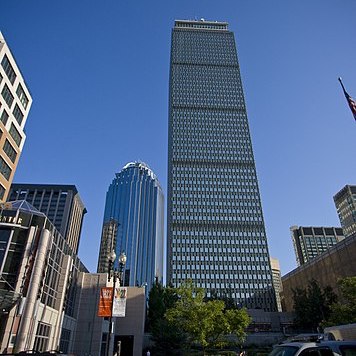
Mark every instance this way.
x=38 y=270
x=216 y=233
x=277 y=281
x=345 y=202
x=309 y=241
x=60 y=203
x=92 y=335
x=335 y=263
x=15 y=104
x=48 y=300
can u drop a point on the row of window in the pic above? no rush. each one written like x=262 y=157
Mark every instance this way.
x=211 y=171
x=212 y=117
x=207 y=246
x=206 y=196
x=8 y=96
x=5 y=170
x=194 y=194
x=10 y=72
x=2 y=191
x=247 y=237
x=201 y=24
x=203 y=47
x=231 y=269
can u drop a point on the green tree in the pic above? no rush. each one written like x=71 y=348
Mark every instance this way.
x=164 y=334
x=312 y=305
x=344 y=312
x=225 y=296
x=206 y=322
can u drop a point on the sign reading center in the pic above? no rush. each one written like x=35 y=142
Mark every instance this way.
x=109 y=303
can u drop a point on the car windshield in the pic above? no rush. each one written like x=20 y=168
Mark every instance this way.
x=284 y=351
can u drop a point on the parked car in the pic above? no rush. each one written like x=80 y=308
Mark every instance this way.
x=322 y=348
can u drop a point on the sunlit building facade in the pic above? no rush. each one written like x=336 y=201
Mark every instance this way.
x=309 y=241
x=345 y=202
x=133 y=223
x=216 y=232
x=15 y=104
x=277 y=281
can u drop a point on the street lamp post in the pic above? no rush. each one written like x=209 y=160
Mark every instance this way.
x=112 y=270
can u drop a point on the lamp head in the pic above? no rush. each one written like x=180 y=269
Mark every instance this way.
x=122 y=258
x=112 y=256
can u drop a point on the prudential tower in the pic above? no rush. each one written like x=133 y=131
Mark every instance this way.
x=216 y=232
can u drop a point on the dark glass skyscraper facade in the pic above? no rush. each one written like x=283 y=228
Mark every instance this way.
x=216 y=233
x=134 y=223
x=60 y=203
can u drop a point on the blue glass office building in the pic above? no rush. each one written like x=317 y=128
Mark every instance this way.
x=216 y=232
x=134 y=223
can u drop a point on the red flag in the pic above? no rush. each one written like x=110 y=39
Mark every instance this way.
x=105 y=301
x=350 y=101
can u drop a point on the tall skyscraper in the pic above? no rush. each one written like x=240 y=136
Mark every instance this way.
x=310 y=242
x=345 y=202
x=60 y=203
x=15 y=104
x=133 y=222
x=216 y=232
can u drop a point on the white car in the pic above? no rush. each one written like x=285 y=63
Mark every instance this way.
x=322 y=348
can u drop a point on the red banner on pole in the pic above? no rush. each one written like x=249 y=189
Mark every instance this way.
x=105 y=301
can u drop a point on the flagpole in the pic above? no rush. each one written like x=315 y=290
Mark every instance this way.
x=349 y=99
x=342 y=84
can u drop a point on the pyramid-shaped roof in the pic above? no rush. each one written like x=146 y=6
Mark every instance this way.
x=22 y=205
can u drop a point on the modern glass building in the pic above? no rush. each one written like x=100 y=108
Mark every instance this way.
x=133 y=222
x=216 y=233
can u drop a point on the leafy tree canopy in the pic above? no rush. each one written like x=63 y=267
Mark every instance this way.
x=312 y=305
x=344 y=312
x=206 y=322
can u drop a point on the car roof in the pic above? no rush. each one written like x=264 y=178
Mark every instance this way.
x=318 y=344
x=300 y=344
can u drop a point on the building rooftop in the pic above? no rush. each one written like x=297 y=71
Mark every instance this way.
x=21 y=205
x=201 y=24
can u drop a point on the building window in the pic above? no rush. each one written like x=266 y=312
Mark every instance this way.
x=22 y=96
x=6 y=94
x=104 y=340
x=65 y=340
x=18 y=114
x=0 y=78
x=5 y=170
x=4 y=117
x=8 y=69
x=2 y=192
x=15 y=135
x=42 y=337
x=10 y=151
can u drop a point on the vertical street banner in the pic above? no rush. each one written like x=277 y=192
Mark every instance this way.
x=105 y=302
x=119 y=307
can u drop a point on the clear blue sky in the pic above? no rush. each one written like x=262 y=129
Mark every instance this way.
x=98 y=73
